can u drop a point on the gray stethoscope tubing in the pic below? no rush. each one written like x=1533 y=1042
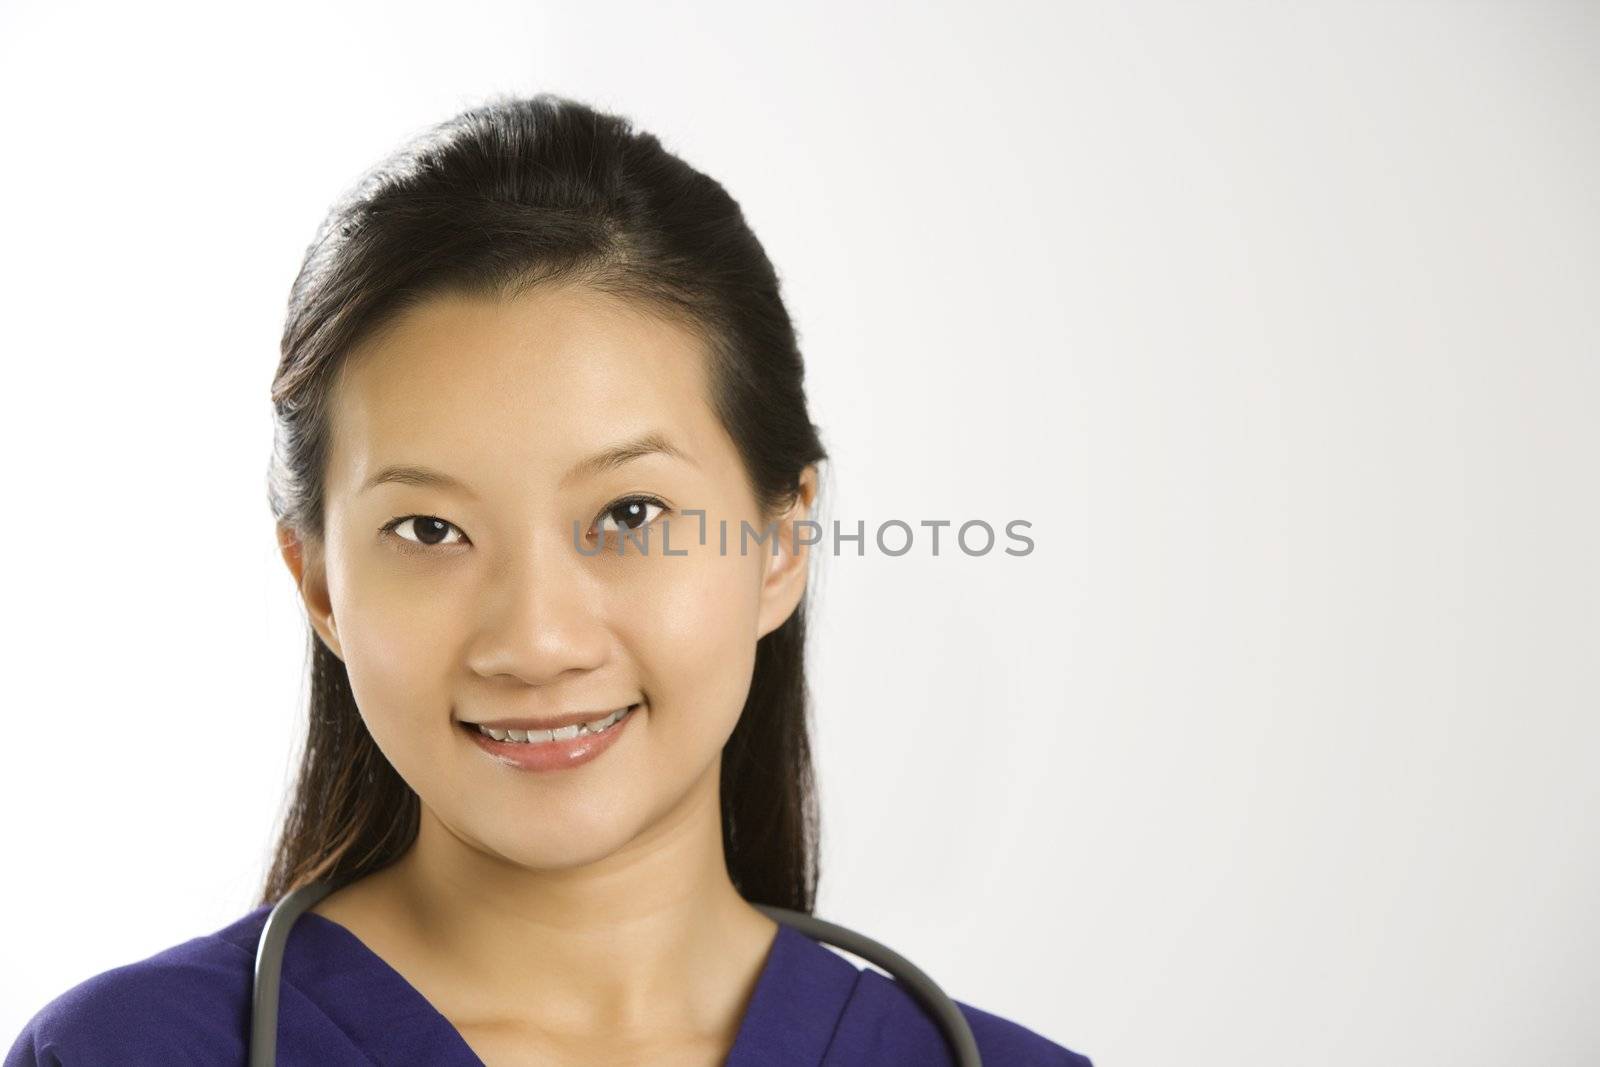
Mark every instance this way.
x=275 y=934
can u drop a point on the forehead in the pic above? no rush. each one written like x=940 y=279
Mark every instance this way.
x=516 y=385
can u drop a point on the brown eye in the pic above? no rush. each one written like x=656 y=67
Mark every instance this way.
x=428 y=529
x=633 y=512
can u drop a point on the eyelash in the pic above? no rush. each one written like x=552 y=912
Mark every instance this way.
x=415 y=548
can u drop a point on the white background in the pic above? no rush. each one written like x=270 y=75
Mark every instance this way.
x=1277 y=321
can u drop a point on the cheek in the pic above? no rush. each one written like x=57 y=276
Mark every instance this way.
x=695 y=645
x=394 y=650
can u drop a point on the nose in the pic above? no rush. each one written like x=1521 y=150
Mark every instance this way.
x=541 y=616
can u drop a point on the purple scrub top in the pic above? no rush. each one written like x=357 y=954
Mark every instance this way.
x=340 y=1003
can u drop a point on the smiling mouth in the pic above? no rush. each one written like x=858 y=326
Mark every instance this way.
x=532 y=738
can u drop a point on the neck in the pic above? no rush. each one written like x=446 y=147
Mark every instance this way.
x=650 y=939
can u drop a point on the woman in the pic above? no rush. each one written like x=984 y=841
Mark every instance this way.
x=537 y=384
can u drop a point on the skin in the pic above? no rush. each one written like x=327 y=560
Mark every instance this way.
x=583 y=915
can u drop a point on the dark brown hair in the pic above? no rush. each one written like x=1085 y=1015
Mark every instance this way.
x=515 y=193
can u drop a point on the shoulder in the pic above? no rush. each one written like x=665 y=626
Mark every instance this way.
x=1002 y=1041
x=189 y=1001
x=886 y=1020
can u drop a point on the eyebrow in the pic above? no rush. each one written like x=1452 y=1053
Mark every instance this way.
x=650 y=444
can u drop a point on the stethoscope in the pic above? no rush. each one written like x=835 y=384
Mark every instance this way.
x=275 y=934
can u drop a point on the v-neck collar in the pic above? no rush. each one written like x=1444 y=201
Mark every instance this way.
x=798 y=1001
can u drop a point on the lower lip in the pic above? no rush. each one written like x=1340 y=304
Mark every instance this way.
x=552 y=755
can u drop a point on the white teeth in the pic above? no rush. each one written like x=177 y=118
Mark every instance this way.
x=565 y=733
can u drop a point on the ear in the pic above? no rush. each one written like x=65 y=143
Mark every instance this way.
x=305 y=562
x=784 y=579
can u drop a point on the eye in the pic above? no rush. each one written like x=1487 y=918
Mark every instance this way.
x=634 y=511
x=430 y=530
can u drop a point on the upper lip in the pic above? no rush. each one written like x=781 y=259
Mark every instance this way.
x=552 y=723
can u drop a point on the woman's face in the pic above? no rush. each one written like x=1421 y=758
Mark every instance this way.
x=492 y=611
